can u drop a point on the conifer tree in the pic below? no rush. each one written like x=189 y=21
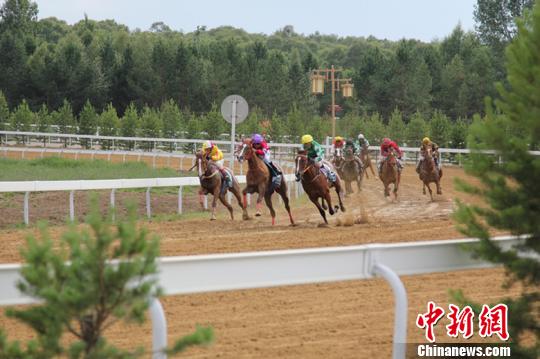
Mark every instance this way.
x=510 y=182
x=81 y=293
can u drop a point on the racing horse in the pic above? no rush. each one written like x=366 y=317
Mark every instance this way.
x=390 y=174
x=259 y=180
x=366 y=161
x=316 y=185
x=430 y=173
x=351 y=171
x=212 y=182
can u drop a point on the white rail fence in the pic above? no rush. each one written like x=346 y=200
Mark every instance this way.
x=209 y=273
x=281 y=151
x=28 y=187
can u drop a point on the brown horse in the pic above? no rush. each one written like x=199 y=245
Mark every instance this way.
x=430 y=173
x=316 y=185
x=211 y=182
x=390 y=174
x=259 y=181
x=351 y=171
x=366 y=161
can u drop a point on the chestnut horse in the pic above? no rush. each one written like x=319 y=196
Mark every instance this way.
x=259 y=180
x=390 y=173
x=316 y=185
x=211 y=182
x=430 y=173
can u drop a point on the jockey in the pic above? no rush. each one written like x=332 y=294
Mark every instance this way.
x=363 y=142
x=263 y=152
x=426 y=142
x=315 y=154
x=386 y=145
x=355 y=150
x=337 y=143
x=214 y=155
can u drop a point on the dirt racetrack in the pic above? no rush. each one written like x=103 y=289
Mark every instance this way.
x=337 y=320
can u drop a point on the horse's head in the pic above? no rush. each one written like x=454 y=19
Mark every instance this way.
x=349 y=153
x=245 y=151
x=301 y=164
x=392 y=157
x=428 y=152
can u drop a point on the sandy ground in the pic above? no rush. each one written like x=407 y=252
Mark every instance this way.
x=337 y=320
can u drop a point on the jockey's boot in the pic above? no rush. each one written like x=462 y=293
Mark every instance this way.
x=330 y=175
x=226 y=177
x=418 y=166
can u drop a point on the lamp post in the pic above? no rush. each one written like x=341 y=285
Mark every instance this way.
x=320 y=76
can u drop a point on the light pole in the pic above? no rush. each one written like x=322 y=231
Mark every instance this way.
x=320 y=76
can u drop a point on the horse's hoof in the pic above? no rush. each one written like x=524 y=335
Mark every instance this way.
x=213 y=218
x=293 y=225
x=245 y=217
x=342 y=208
x=322 y=225
x=439 y=192
x=258 y=214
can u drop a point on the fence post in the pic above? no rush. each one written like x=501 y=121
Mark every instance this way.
x=180 y=199
x=159 y=329
x=72 y=205
x=112 y=203
x=148 y=207
x=26 y=208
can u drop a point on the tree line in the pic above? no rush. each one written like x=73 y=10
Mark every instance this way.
x=47 y=62
x=169 y=121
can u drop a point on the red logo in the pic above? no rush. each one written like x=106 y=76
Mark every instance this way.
x=490 y=321
x=460 y=321
x=429 y=319
x=494 y=321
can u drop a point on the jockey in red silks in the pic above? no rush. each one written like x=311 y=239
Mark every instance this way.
x=263 y=152
x=387 y=145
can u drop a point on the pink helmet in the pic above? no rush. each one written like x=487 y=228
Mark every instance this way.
x=386 y=140
x=257 y=139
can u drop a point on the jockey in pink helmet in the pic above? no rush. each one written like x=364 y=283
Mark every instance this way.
x=263 y=152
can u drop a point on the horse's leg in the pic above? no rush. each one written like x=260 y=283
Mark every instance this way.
x=201 y=199
x=339 y=193
x=236 y=191
x=439 y=190
x=386 y=189
x=321 y=210
x=226 y=204
x=260 y=195
x=430 y=191
x=283 y=193
x=328 y=200
x=348 y=188
x=423 y=187
x=323 y=204
x=268 y=200
x=214 y=203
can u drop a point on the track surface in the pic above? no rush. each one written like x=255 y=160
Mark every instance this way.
x=336 y=320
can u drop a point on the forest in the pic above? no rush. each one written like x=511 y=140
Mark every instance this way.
x=161 y=82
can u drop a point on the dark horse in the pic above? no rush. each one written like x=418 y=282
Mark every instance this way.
x=390 y=174
x=211 y=182
x=430 y=173
x=259 y=181
x=351 y=171
x=316 y=185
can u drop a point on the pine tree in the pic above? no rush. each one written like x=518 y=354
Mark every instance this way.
x=396 y=127
x=108 y=125
x=88 y=122
x=82 y=294
x=130 y=124
x=4 y=115
x=43 y=122
x=170 y=117
x=65 y=120
x=150 y=126
x=22 y=118
x=440 y=129
x=417 y=128
x=510 y=182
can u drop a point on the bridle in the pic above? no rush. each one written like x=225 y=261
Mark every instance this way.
x=298 y=157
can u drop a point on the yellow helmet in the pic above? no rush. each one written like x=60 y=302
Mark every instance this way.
x=307 y=139
x=426 y=141
x=206 y=145
x=338 y=138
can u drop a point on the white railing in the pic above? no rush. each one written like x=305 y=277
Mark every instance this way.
x=84 y=185
x=208 y=273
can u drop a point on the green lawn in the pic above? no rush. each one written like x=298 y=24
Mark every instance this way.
x=55 y=168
